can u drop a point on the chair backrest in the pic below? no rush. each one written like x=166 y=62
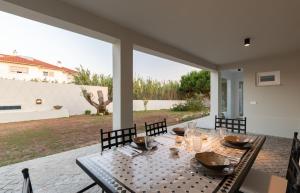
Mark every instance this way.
x=157 y=128
x=27 y=187
x=234 y=125
x=293 y=171
x=115 y=138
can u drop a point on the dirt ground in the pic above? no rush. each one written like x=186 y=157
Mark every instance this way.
x=31 y=139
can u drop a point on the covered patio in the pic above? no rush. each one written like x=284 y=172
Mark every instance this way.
x=250 y=48
x=59 y=172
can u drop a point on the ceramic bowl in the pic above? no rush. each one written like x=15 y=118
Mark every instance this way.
x=236 y=140
x=139 y=141
x=212 y=160
x=179 y=131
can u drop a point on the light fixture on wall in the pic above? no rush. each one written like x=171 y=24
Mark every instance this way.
x=247 y=42
x=38 y=101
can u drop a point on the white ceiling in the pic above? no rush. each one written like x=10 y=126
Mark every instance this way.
x=211 y=29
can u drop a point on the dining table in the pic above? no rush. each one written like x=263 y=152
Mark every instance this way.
x=160 y=170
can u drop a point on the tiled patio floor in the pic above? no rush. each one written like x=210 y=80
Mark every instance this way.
x=274 y=156
x=59 y=173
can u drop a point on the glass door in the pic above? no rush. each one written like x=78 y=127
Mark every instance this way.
x=241 y=98
x=223 y=96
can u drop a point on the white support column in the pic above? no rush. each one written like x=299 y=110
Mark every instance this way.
x=122 y=84
x=209 y=121
x=215 y=93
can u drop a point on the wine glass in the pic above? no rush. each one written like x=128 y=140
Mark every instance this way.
x=197 y=141
x=188 y=134
x=192 y=125
x=223 y=132
x=148 y=141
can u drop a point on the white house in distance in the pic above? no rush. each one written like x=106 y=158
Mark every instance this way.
x=17 y=67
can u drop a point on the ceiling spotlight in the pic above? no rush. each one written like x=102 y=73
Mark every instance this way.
x=247 y=42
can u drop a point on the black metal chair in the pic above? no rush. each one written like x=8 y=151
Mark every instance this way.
x=234 y=125
x=111 y=139
x=293 y=172
x=27 y=187
x=115 y=138
x=157 y=128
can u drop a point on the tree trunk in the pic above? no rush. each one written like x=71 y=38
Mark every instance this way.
x=101 y=105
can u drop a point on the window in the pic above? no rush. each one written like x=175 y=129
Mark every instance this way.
x=50 y=74
x=19 y=70
x=241 y=98
x=224 y=95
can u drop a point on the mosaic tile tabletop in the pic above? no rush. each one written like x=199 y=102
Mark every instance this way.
x=161 y=171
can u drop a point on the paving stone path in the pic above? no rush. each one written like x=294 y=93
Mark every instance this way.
x=59 y=173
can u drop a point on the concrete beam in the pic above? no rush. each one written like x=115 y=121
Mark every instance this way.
x=68 y=17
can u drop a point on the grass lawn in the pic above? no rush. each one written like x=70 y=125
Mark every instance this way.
x=31 y=139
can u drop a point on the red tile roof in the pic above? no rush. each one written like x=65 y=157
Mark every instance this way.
x=33 y=62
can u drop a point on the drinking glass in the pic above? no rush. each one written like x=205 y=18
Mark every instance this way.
x=192 y=125
x=188 y=134
x=223 y=132
x=148 y=141
x=213 y=132
x=197 y=141
x=178 y=141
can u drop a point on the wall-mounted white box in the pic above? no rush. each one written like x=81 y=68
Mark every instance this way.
x=268 y=78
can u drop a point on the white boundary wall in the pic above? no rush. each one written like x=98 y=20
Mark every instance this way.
x=25 y=93
x=14 y=92
x=16 y=116
x=138 y=105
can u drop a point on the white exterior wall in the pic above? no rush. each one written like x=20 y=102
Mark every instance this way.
x=33 y=73
x=3 y=70
x=277 y=108
x=60 y=77
x=270 y=110
x=14 y=92
x=16 y=116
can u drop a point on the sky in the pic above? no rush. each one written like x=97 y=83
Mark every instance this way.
x=51 y=44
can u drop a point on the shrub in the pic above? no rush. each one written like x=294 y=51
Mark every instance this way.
x=194 y=104
x=179 y=107
x=187 y=118
x=195 y=83
x=106 y=112
x=87 y=112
